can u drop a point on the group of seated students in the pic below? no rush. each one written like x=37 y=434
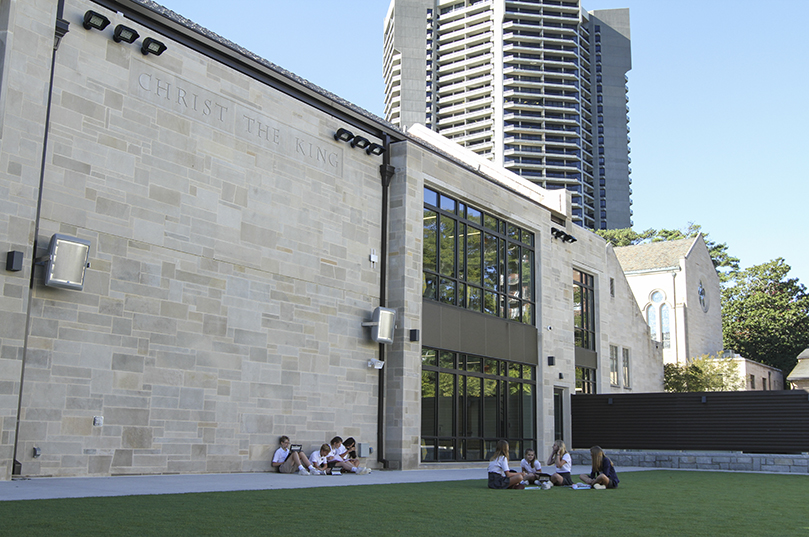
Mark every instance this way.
x=602 y=476
x=335 y=457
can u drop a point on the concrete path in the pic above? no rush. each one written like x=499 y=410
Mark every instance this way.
x=39 y=488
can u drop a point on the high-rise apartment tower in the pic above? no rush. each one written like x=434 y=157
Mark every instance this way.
x=538 y=86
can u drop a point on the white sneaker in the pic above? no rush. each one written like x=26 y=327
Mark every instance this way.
x=302 y=471
x=599 y=486
x=363 y=471
x=315 y=471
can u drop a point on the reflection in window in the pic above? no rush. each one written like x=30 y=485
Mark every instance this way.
x=469 y=402
x=651 y=318
x=664 y=326
x=584 y=310
x=626 y=367
x=585 y=380
x=477 y=261
x=613 y=365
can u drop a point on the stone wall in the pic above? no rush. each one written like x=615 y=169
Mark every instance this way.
x=707 y=460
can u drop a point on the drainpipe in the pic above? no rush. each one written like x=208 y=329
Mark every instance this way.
x=60 y=30
x=386 y=172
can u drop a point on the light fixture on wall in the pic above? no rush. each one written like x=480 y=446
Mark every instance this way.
x=371 y=148
x=382 y=325
x=95 y=20
x=343 y=135
x=66 y=262
x=376 y=364
x=125 y=34
x=375 y=149
x=560 y=234
x=152 y=46
x=360 y=142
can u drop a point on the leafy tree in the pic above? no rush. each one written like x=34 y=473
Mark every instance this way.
x=765 y=315
x=703 y=374
x=718 y=251
x=626 y=236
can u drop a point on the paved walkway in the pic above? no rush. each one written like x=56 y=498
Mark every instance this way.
x=39 y=488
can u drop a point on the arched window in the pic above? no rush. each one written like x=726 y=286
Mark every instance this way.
x=664 y=326
x=651 y=318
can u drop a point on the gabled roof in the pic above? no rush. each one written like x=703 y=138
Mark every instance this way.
x=653 y=255
x=801 y=371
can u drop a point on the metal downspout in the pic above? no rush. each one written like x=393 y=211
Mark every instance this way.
x=386 y=173
x=61 y=28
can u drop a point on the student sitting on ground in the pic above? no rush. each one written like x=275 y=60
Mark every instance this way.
x=350 y=450
x=335 y=459
x=603 y=474
x=531 y=467
x=319 y=460
x=288 y=462
x=562 y=463
x=500 y=476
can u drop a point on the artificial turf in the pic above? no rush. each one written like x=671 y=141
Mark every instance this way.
x=646 y=503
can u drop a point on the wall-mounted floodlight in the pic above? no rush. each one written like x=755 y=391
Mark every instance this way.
x=152 y=46
x=360 y=142
x=95 y=20
x=382 y=325
x=376 y=364
x=560 y=234
x=66 y=262
x=125 y=34
x=375 y=149
x=343 y=135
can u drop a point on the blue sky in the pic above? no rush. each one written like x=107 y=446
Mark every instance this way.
x=718 y=115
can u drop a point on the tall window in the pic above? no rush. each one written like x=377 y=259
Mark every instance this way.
x=613 y=365
x=470 y=402
x=584 y=310
x=585 y=380
x=651 y=318
x=626 y=368
x=665 y=329
x=477 y=261
x=657 y=316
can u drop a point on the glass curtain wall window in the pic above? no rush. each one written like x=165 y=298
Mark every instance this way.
x=585 y=380
x=584 y=310
x=477 y=261
x=470 y=402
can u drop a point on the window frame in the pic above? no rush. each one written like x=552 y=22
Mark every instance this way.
x=460 y=436
x=504 y=286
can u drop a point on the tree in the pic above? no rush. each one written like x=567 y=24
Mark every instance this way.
x=765 y=315
x=703 y=374
x=718 y=251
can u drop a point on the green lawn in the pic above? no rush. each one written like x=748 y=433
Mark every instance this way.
x=646 y=503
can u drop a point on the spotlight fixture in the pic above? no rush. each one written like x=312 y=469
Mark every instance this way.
x=343 y=135
x=559 y=234
x=382 y=325
x=66 y=262
x=376 y=364
x=375 y=149
x=95 y=20
x=125 y=34
x=152 y=46
x=360 y=142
